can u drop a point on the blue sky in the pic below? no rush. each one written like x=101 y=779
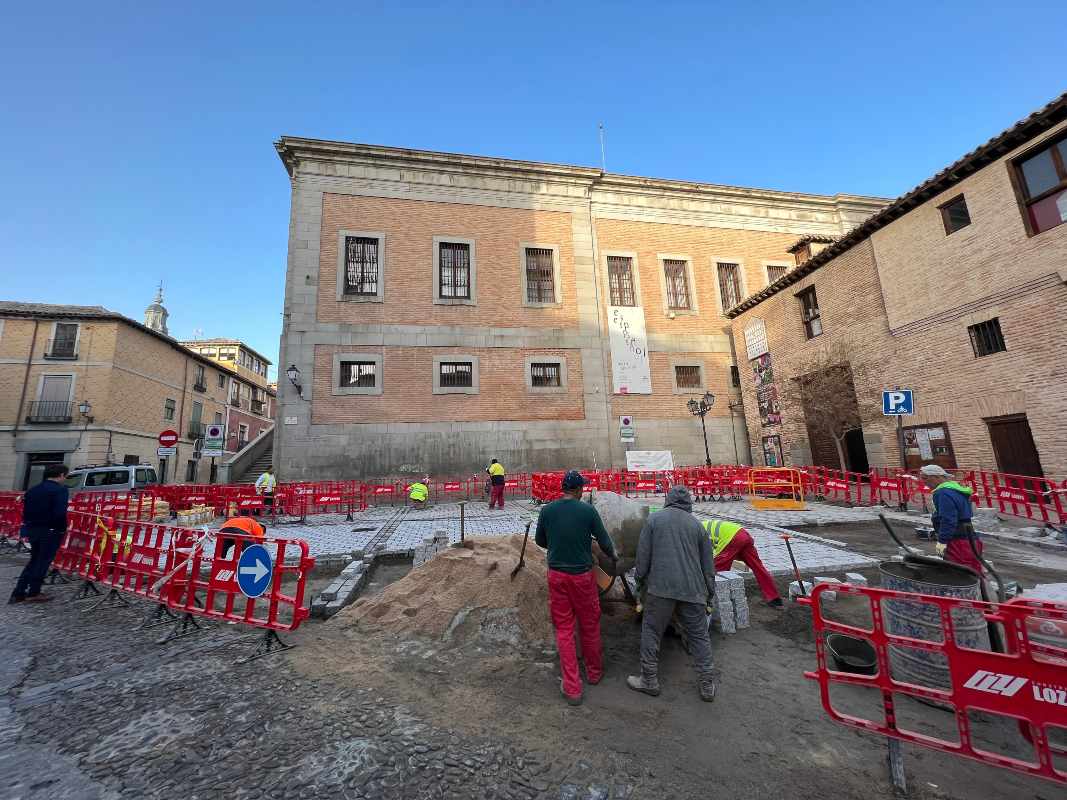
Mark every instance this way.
x=137 y=137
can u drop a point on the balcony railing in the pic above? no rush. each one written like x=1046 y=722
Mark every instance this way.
x=61 y=349
x=57 y=411
x=199 y=387
x=257 y=406
x=195 y=430
x=235 y=402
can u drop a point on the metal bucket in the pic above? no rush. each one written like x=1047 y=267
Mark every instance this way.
x=919 y=620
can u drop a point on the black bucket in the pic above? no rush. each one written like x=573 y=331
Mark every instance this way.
x=852 y=654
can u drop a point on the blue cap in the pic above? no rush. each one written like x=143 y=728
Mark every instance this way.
x=573 y=480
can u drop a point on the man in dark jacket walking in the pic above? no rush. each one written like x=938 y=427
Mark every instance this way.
x=44 y=521
x=675 y=562
x=567 y=528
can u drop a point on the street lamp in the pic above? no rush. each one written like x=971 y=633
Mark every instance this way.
x=293 y=374
x=85 y=408
x=700 y=408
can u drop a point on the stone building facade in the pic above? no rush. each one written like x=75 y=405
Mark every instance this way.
x=136 y=382
x=444 y=309
x=957 y=291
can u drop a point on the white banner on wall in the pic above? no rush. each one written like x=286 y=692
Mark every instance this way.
x=629 y=350
x=649 y=460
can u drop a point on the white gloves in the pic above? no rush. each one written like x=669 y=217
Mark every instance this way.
x=940 y=549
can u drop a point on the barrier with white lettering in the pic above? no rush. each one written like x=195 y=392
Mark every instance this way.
x=1026 y=685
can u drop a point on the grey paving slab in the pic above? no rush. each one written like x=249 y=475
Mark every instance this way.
x=411 y=532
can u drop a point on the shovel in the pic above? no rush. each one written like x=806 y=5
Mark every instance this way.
x=522 y=555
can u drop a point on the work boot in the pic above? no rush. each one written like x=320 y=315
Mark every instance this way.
x=775 y=603
x=38 y=598
x=571 y=701
x=708 y=688
x=644 y=684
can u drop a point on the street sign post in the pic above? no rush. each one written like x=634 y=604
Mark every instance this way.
x=897 y=402
x=168 y=438
x=254 y=570
x=213 y=441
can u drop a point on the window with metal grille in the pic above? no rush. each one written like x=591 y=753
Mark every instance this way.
x=775 y=271
x=986 y=337
x=454 y=263
x=729 y=284
x=540 y=275
x=544 y=375
x=361 y=265
x=64 y=343
x=954 y=214
x=687 y=376
x=809 y=312
x=358 y=374
x=676 y=275
x=169 y=407
x=621 y=281
x=457 y=374
x=735 y=377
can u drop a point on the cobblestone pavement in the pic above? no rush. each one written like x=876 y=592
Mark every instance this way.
x=91 y=708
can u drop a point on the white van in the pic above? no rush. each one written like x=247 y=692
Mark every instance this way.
x=111 y=478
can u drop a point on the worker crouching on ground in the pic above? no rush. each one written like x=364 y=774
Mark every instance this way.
x=496 y=483
x=675 y=562
x=567 y=527
x=241 y=525
x=419 y=492
x=952 y=518
x=731 y=542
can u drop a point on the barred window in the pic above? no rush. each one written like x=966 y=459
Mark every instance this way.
x=775 y=271
x=987 y=338
x=455 y=270
x=676 y=274
x=809 y=312
x=687 y=376
x=361 y=265
x=729 y=285
x=621 y=281
x=542 y=375
x=358 y=374
x=540 y=275
x=457 y=374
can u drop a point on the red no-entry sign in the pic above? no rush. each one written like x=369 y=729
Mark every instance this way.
x=168 y=438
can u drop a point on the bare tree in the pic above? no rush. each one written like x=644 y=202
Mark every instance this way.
x=826 y=391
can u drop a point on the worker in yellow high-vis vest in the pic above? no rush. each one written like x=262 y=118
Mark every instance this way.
x=731 y=542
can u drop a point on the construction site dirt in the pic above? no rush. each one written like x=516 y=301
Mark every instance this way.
x=357 y=712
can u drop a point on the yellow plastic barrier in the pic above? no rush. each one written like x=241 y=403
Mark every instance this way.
x=776 y=480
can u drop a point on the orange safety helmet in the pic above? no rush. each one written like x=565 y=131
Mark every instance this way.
x=245 y=525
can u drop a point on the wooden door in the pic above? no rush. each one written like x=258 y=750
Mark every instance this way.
x=1014 y=446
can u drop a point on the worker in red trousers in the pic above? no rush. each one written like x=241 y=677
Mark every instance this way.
x=731 y=543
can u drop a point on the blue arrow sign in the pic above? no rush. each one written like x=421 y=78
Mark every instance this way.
x=897 y=402
x=254 y=570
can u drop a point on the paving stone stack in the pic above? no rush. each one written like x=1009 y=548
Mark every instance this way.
x=431 y=546
x=731 y=602
x=343 y=590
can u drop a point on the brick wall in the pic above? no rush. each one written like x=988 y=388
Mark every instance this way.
x=410 y=227
x=935 y=286
x=407 y=388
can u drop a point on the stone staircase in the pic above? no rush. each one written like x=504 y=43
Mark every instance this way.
x=256 y=468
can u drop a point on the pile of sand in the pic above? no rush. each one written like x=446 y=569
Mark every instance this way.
x=465 y=593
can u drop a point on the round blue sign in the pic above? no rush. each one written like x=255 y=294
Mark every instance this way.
x=254 y=570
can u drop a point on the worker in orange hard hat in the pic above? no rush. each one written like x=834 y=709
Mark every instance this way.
x=245 y=526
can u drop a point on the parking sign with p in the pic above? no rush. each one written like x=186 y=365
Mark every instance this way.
x=898 y=402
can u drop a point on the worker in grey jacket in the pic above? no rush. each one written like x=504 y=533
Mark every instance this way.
x=674 y=560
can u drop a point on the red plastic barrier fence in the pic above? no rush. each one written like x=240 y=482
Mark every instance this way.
x=1027 y=684
x=168 y=564
x=217 y=595
x=10 y=516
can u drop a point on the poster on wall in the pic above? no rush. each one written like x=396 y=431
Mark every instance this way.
x=770 y=408
x=649 y=460
x=772 y=451
x=629 y=350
